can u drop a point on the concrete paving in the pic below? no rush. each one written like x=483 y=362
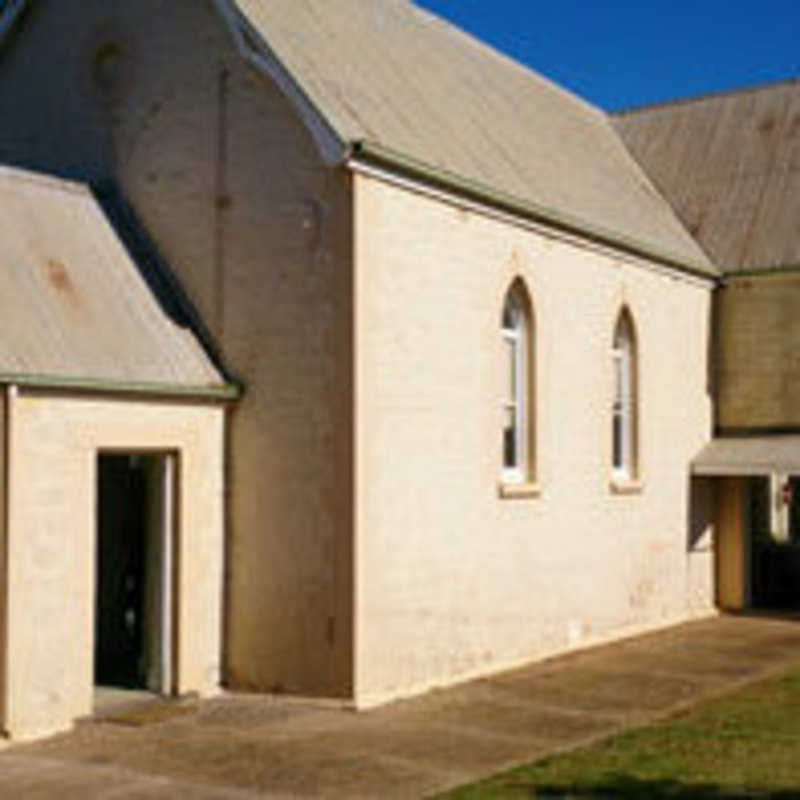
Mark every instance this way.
x=241 y=747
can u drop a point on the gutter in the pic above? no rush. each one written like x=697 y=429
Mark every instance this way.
x=374 y=154
x=222 y=393
x=757 y=272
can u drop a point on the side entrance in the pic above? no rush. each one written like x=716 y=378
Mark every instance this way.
x=114 y=553
x=136 y=571
x=758 y=542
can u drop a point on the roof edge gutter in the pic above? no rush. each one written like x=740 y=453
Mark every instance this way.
x=752 y=272
x=225 y=393
x=372 y=153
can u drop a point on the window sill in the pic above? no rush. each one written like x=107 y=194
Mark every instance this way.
x=518 y=491
x=626 y=486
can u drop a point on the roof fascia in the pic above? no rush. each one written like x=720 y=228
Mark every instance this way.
x=222 y=392
x=374 y=154
x=331 y=147
x=756 y=272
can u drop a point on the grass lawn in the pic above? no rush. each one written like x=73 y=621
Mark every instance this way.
x=746 y=745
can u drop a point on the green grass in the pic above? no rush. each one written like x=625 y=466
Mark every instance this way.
x=746 y=745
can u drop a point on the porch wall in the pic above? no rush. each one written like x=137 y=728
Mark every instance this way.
x=51 y=542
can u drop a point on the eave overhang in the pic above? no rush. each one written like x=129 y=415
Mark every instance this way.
x=225 y=393
x=374 y=154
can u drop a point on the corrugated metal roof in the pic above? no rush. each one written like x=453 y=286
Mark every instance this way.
x=756 y=455
x=730 y=165
x=389 y=73
x=73 y=305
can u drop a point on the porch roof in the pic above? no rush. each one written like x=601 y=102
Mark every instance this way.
x=75 y=312
x=748 y=455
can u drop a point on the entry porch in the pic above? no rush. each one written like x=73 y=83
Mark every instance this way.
x=113 y=551
x=756 y=487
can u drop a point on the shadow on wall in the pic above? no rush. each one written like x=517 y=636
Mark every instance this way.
x=712 y=351
x=700 y=525
x=155 y=271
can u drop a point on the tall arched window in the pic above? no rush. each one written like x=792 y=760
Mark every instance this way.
x=517 y=400
x=623 y=412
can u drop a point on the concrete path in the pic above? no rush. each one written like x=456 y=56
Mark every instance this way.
x=241 y=747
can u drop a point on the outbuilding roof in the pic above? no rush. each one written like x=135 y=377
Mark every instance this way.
x=74 y=308
x=402 y=82
x=730 y=165
x=748 y=455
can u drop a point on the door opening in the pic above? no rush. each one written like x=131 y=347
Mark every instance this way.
x=134 y=608
x=774 y=542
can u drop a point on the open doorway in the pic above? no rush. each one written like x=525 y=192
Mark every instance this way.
x=134 y=602
x=774 y=542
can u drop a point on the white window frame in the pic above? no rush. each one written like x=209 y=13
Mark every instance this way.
x=623 y=406
x=516 y=404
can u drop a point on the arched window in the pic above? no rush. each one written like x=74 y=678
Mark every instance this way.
x=623 y=412
x=517 y=400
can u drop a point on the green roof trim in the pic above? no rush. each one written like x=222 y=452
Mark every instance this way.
x=752 y=272
x=380 y=156
x=224 y=392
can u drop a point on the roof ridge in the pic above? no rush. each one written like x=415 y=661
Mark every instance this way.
x=699 y=98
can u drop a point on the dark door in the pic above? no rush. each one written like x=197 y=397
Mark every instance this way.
x=121 y=560
x=775 y=563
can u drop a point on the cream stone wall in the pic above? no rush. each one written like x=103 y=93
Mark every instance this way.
x=227 y=182
x=452 y=580
x=51 y=544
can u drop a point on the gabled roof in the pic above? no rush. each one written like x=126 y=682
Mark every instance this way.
x=413 y=88
x=730 y=165
x=74 y=309
x=399 y=85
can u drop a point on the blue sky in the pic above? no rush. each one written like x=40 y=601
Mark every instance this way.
x=620 y=54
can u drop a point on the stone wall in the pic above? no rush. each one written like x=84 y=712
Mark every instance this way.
x=453 y=579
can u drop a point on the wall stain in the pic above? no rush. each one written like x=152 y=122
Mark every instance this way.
x=767 y=124
x=58 y=277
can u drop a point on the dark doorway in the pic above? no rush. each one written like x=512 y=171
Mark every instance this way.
x=133 y=614
x=774 y=544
